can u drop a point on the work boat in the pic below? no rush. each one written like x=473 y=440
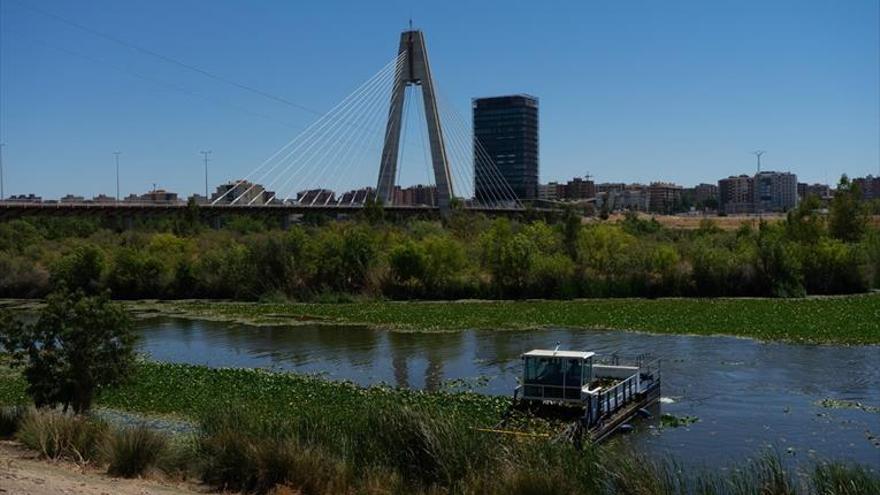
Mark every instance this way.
x=604 y=393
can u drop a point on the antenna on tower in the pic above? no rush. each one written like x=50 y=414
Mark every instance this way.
x=758 y=154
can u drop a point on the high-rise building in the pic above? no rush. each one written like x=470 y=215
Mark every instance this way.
x=551 y=191
x=578 y=188
x=764 y=193
x=775 y=191
x=418 y=195
x=505 y=132
x=704 y=193
x=870 y=187
x=736 y=195
x=664 y=197
x=821 y=191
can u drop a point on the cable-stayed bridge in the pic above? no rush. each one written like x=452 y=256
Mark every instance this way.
x=318 y=169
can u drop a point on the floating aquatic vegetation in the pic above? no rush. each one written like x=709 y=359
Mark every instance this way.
x=847 y=404
x=673 y=421
x=838 y=320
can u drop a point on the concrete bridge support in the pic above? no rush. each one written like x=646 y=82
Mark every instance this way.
x=415 y=71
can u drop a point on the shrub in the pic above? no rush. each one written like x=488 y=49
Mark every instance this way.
x=10 y=420
x=408 y=263
x=136 y=275
x=130 y=452
x=54 y=435
x=77 y=345
x=21 y=277
x=79 y=270
x=833 y=267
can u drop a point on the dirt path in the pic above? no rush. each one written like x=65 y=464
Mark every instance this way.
x=22 y=474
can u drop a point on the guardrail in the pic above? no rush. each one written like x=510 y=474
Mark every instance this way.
x=611 y=399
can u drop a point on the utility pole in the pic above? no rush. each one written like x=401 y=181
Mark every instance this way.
x=2 y=185
x=205 y=154
x=758 y=155
x=116 y=154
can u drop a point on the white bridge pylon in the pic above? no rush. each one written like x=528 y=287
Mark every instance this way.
x=321 y=166
x=416 y=71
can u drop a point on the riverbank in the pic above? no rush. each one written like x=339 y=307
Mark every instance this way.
x=256 y=429
x=21 y=472
x=843 y=320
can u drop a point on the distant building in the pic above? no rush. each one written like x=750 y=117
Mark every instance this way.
x=159 y=196
x=775 y=191
x=199 y=199
x=103 y=198
x=552 y=191
x=765 y=192
x=506 y=129
x=870 y=187
x=70 y=198
x=25 y=198
x=664 y=197
x=415 y=195
x=635 y=197
x=243 y=192
x=578 y=188
x=620 y=197
x=822 y=191
x=705 y=193
x=357 y=196
x=736 y=195
x=316 y=197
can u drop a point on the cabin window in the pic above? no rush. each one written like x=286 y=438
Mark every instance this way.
x=544 y=371
x=573 y=373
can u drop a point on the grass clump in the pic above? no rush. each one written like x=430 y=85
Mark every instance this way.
x=61 y=436
x=842 y=479
x=132 y=451
x=241 y=453
x=10 y=420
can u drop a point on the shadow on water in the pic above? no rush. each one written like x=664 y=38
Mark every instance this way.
x=746 y=395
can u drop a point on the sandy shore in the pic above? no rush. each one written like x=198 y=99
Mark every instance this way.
x=21 y=473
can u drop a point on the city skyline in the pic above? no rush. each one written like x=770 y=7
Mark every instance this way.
x=61 y=132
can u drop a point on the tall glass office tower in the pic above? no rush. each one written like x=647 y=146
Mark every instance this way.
x=506 y=132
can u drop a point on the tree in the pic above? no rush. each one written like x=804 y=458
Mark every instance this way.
x=804 y=224
x=81 y=269
x=374 y=211
x=571 y=228
x=849 y=216
x=78 y=345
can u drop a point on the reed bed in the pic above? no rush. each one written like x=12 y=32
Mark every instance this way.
x=411 y=451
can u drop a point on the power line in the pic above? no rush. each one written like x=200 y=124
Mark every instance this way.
x=167 y=59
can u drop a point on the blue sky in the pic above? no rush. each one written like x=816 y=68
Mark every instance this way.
x=629 y=90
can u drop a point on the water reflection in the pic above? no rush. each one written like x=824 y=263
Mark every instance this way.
x=746 y=394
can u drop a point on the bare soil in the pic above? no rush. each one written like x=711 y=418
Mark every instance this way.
x=22 y=473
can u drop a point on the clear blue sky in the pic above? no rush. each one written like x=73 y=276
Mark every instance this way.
x=629 y=90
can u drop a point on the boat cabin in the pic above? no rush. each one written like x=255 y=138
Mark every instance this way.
x=555 y=375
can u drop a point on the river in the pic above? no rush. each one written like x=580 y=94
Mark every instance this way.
x=748 y=396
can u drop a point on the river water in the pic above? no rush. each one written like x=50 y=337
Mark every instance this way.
x=748 y=396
